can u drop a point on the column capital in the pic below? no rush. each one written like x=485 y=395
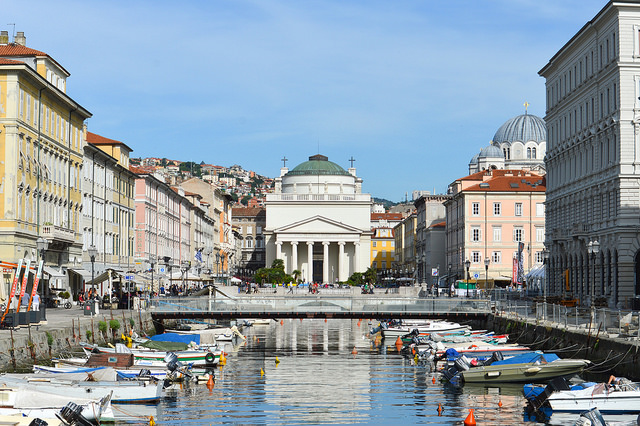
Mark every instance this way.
x=278 y=243
x=341 y=243
x=326 y=243
x=356 y=243
x=294 y=243
x=310 y=243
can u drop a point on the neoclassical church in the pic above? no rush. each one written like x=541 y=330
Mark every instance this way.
x=318 y=221
x=520 y=143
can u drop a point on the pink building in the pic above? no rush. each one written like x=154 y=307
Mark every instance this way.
x=489 y=214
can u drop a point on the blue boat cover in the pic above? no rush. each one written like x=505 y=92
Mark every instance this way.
x=451 y=353
x=527 y=358
x=175 y=337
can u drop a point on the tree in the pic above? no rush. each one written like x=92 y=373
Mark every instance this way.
x=370 y=275
x=296 y=273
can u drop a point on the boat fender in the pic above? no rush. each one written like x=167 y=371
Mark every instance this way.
x=209 y=357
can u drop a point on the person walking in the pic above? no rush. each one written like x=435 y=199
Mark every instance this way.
x=35 y=303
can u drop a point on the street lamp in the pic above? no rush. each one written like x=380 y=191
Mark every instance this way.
x=93 y=251
x=218 y=257
x=448 y=279
x=593 y=249
x=152 y=261
x=467 y=263
x=185 y=265
x=42 y=244
x=545 y=260
x=486 y=271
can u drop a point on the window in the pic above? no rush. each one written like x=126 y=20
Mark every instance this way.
x=374 y=243
x=374 y=254
x=374 y=265
x=475 y=257
x=475 y=209
x=538 y=257
x=497 y=233
x=540 y=234
x=249 y=229
x=496 y=257
x=540 y=209
x=475 y=234
x=518 y=234
x=497 y=209
x=518 y=209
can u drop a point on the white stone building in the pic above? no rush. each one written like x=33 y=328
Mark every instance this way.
x=593 y=171
x=318 y=221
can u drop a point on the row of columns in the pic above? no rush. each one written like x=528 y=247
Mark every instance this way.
x=325 y=258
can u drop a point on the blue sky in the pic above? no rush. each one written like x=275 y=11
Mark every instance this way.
x=410 y=89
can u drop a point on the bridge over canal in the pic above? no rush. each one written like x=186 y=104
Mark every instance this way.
x=347 y=306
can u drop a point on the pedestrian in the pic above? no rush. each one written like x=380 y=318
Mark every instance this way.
x=25 y=300
x=35 y=303
x=452 y=289
x=290 y=288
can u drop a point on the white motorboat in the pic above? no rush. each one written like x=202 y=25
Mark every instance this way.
x=616 y=399
x=188 y=356
x=428 y=327
x=124 y=392
x=44 y=404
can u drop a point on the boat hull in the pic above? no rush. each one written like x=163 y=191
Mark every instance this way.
x=520 y=373
x=607 y=403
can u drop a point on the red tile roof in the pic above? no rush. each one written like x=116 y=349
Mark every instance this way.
x=5 y=61
x=13 y=49
x=439 y=225
x=246 y=211
x=507 y=181
x=387 y=216
x=101 y=140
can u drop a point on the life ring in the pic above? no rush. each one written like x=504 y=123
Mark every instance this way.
x=209 y=357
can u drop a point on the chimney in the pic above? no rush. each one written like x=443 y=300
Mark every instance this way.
x=20 y=38
x=4 y=37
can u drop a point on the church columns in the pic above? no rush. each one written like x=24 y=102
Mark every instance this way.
x=310 y=260
x=356 y=257
x=294 y=256
x=325 y=262
x=341 y=261
x=278 y=250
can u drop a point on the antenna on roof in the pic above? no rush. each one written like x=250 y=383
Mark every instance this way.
x=14 y=32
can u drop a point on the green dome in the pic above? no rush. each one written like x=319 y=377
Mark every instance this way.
x=318 y=165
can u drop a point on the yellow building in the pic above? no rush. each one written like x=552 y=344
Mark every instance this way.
x=41 y=132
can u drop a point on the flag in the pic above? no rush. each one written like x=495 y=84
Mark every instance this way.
x=199 y=255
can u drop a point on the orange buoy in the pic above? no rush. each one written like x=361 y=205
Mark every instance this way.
x=281 y=322
x=500 y=403
x=433 y=380
x=440 y=409
x=354 y=352
x=358 y=323
x=151 y=421
x=210 y=383
x=300 y=319
x=325 y=320
x=470 y=420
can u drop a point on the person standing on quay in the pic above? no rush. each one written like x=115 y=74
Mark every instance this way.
x=35 y=303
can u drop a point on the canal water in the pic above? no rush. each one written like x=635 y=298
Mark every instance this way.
x=308 y=373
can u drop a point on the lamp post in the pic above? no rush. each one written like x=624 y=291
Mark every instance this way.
x=467 y=263
x=545 y=260
x=42 y=244
x=593 y=249
x=93 y=251
x=185 y=265
x=217 y=266
x=486 y=270
x=152 y=262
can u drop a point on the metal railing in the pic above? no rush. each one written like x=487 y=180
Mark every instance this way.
x=314 y=304
x=613 y=323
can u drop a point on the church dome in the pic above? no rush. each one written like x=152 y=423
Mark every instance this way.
x=491 y=151
x=474 y=159
x=523 y=128
x=318 y=165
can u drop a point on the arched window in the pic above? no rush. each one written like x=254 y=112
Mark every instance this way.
x=533 y=153
x=528 y=152
x=249 y=242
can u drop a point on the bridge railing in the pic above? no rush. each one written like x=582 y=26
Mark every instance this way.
x=320 y=304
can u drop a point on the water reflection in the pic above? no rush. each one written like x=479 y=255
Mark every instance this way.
x=319 y=381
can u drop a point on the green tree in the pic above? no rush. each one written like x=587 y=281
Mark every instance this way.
x=245 y=199
x=370 y=275
x=296 y=274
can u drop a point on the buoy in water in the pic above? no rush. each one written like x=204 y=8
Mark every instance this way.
x=151 y=421
x=210 y=382
x=261 y=372
x=223 y=359
x=281 y=322
x=325 y=320
x=398 y=343
x=277 y=361
x=470 y=420
x=500 y=403
x=440 y=409
x=354 y=352
x=433 y=380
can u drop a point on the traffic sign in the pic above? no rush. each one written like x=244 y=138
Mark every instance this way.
x=475 y=275
x=128 y=277
x=434 y=272
x=161 y=269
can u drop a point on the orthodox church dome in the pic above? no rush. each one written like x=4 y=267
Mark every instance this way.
x=318 y=165
x=522 y=128
x=491 y=151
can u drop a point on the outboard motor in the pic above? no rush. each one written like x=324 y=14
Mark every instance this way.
x=557 y=384
x=72 y=414
x=496 y=356
x=460 y=364
x=591 y=418
x=172 y=362
x=38 y=422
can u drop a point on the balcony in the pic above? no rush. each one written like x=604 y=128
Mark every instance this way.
x=319 y=197
x=58 y=234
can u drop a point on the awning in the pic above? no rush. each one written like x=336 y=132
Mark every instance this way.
x=52 y=271
x=86 y=275
x=100 y=278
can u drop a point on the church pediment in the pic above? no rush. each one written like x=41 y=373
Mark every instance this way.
x=318 y=225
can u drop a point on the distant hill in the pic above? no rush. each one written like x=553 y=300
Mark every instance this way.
x=386 y=203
